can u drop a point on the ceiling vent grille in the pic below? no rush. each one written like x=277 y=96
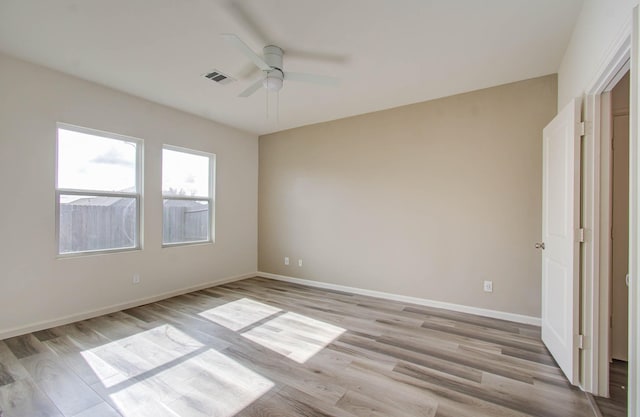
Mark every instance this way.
x=218 y=77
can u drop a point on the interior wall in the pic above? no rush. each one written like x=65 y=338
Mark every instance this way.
x=36 y=286
x=426 y=200
x=598 y=26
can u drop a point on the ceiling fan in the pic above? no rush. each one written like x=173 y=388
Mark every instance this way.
x=273 y=73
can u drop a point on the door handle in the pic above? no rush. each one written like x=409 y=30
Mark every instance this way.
x=540 y=245
x=626 y=280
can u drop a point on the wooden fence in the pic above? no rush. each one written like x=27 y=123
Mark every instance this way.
x=94 y=227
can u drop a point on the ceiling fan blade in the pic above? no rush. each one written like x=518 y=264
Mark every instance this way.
x=252 y=88
x=301 y=54
x=311 y=78
x=247 y=72
x=237 y=43
x=246 y=20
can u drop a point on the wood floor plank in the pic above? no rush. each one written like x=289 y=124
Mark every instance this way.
x=265 y=348
x=532 y=368
x=522 y=400
x=359 y=404
x=304 y=405
x=616 y=404
x=452 y=401
x=484 y=322
x=319 y=384
x=11 y=370
x=67 y=391
x=25 y=346
x=23 y=398
x=133 y=397
x=486 y=336
x=430 y=356
x=233 y=386
x=536 y=400
x=366 y=381
x=100 y=410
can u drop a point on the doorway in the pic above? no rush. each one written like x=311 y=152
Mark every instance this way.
x=619 y=311
x=595 y=321
x=615 y=164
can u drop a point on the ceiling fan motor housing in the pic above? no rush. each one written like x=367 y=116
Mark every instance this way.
x=273 y=56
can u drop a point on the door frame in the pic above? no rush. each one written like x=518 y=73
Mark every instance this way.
x=634 y=222
x=596 y=206
x=596 y=217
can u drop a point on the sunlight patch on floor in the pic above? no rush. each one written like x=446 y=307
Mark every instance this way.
x=164 y=372
x=239 y=314
x=295 y=336
x=132 y=356
x=207 y=384
x=223 y=387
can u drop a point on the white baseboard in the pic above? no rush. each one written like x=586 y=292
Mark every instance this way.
x=46 y=324
x=60 y=321
x=518 y=318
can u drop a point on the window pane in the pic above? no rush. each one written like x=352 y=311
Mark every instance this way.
x=185 y=174
x=89 y=223
x=90 y=162
x=185 y=221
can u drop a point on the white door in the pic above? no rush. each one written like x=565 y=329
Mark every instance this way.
x=560 y=225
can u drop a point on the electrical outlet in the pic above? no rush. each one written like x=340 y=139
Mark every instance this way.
x=300 y=262
x=136 y=278
x=286 y=260
x=488 y=286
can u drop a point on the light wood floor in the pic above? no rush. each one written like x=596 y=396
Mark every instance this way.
x=265 y=348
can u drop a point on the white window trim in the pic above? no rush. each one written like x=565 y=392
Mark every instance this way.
x=210 y=199
x=70 y=191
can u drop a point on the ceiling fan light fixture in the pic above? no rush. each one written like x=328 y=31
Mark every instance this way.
x=272 y=69
x=273 y=80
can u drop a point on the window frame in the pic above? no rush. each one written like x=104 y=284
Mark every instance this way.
x=138 y=195
x=210 y=199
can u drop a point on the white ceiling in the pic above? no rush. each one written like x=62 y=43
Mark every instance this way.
x=387 y=53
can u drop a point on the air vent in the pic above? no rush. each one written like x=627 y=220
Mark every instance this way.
x=218 y=77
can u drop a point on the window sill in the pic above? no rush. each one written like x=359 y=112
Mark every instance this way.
x=99 y=252
x=196 y=243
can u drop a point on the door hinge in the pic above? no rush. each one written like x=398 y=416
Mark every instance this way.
x=582 y=128
x=581 y=235
x=580 y=341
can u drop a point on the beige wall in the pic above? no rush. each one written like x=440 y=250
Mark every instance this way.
x=34 y=285
x=426 y=200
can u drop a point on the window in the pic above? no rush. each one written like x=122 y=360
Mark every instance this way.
x=187 y=191
x=98 y=183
